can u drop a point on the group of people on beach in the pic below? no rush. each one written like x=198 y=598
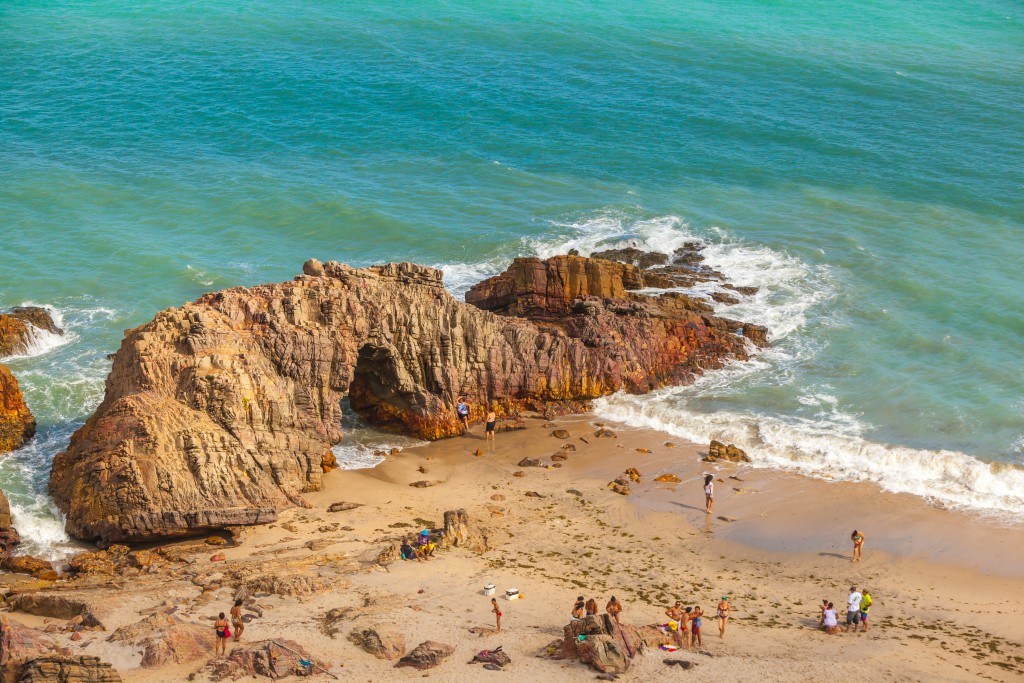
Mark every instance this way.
x=685 y=623
x=462 y=410
x=858 y=604
x=423 y=549
x=223 y=629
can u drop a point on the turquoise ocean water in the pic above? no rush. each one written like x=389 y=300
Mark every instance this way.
x=862 y=162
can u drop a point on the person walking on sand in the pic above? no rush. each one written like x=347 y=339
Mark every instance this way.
x=614 y=609
x=591 y=607
x=222 y=629
x=236 y=620
x=852 y=610
x=865 y=605
x=723 y=615
x=462 y=410
x=709 y=493
x=492 y=419
x=497 y=613
x=696 y=624
x=858 y=545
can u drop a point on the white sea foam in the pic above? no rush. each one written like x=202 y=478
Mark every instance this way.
x=41 y=528
x=42 y=341
x=828 y=446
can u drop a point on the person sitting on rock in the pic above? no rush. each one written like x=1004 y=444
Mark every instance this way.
x=410 y=553
x=614 y=609
x=426 y=546
x=579 y=610
x=591 y=607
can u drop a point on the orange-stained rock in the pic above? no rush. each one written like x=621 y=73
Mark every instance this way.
x=16 y=422
x=20 y=327
x=219 y=413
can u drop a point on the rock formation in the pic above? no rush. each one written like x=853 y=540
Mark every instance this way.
x=426 y=655
x=68 y=669
x=383 y=642
x=222 y=412
x=16 y=422
x=719 y=451
x=19 y=328
x=9 y=536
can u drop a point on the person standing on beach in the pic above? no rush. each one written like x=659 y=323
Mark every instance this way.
x=852 y=610
x=614 y=609
x=497 y=613
x=865 y=605
x=696 y=624
x=492 y=419
x=236 y=619
x=858 y=545
x=709 y=493
x=675 y=613
x=723 y=615
x=222 y=629
x=462 y=410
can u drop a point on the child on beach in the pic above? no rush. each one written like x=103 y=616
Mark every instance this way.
x=462 y=410
x=697 y=623
x=858 y=545
x=865 y=605
x=709 y=493
x=579 y=610
x=492 y=419
x=824 y=606
x=831 y=620
x=497 y=613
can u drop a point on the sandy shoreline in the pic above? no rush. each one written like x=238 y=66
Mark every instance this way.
x=944 y=583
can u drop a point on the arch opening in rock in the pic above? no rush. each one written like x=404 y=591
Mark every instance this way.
x=374 y=393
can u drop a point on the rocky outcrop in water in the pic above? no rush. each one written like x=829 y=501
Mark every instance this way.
x=17 y=425
x=223 y=411
x=9 y=536
x=20 y=326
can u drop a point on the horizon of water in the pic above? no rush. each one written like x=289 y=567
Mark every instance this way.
x=862 y=164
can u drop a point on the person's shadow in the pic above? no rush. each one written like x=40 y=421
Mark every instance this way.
x=689 y=507
x=841 y=557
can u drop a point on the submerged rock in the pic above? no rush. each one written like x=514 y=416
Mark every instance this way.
x=219 y=413
x=9 y=536
x=20 y=326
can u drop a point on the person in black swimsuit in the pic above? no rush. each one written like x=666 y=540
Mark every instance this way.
x=492 y=419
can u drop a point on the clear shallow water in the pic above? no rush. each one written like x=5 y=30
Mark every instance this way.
x=862 y=162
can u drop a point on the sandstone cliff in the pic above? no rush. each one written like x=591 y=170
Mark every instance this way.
x=16 y=422
x=222 y=412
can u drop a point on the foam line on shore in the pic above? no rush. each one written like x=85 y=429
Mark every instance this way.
x=822 y=448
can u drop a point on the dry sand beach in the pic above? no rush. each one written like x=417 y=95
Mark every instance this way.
x=945 y=584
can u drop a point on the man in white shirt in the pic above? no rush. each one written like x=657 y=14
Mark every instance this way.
x=852 y=609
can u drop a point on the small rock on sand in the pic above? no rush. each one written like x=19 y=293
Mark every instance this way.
x=421 y=484
x=342 y=506
x=643 y=450
x=560 y=434
x=667 y=477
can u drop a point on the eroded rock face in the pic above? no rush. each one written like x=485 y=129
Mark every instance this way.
x=17 y=425
x=607 y=646
x=9 y=536
x=383 y=642
x=219 y=413
x=19 y=328
x=69 y=669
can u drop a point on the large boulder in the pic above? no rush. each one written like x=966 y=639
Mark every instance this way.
x=21 y=327
x=719 y=451
x=68 y=669
x=383 y=642
x=426 y=655
x=17 y=425
x=600 y=642
x=166 y=638
x=274 y=659
x=219 y=413
x=460 y=532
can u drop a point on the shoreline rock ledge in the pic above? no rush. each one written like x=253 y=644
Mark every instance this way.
x=222 y=412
